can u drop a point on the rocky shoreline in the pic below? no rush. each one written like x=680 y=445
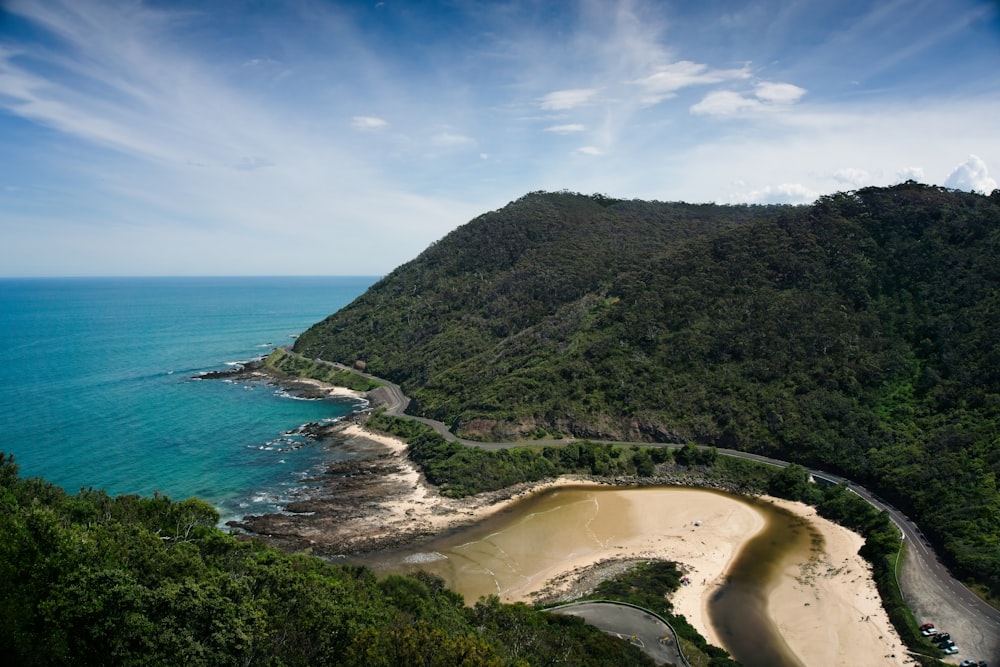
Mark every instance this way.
x=377 y=501
x=355 y=506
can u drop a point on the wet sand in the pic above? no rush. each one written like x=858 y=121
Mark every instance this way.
x=824 y=604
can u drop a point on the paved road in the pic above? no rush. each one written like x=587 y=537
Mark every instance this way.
x=928 y=588
x=639 y=626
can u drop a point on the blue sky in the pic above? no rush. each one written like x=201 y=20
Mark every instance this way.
x=311 y=137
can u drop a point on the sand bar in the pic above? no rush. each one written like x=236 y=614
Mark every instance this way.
x=826 y=608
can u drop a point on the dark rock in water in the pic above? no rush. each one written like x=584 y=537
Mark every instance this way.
x=244 y=369
x=327 y=523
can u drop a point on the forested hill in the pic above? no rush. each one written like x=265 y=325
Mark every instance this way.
x=861 y=334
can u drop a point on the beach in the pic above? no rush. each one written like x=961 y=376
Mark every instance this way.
x=825 y=606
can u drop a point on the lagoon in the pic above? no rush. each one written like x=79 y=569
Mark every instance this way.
x=513 y=554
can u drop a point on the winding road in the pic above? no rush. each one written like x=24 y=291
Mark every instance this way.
x=929 y=589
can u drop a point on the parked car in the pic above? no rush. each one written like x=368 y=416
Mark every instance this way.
x=968 y=663
x=951 y=650
x=940 y=637
x=928 y=629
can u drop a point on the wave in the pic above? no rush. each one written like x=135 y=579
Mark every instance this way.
x=424 y=557
x=244 y=362
x=284 y=393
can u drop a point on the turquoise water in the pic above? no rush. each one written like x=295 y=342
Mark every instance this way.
x=98 y=385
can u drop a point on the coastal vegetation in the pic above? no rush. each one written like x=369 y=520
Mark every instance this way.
x=650 y=585
x=97 y=580
x=860 y=335
x=282 y=364
x=459 y=471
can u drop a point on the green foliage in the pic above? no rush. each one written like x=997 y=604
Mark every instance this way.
x=859 y=335
x=649 y=585
x=792 y=482
x=94 y=580
x=534 y=638
x=281 y=362
x=461 y=471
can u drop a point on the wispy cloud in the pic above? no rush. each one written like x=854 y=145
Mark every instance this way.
x=452 y=140
x=369 y=123
x=343 y=124
x=764 y=97
x=567 y=99
x=569 y=128
x=667 y=79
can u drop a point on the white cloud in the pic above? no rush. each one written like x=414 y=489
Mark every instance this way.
x=724 y=103
x=128 y=117
x=452 y=140
x=778 y=93
x=766 y=96
x=786 y=193
x=971 y=176
x=668 y=79
x=910 y=174
x=567 y=99
x=369 y=123
x=566 y=129
x=853 y=177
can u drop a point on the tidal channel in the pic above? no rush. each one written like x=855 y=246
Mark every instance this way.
x=515 y=552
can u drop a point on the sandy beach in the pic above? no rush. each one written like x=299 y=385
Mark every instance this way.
x=826 y=607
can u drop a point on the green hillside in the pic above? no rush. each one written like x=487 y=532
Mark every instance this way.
x=859 y=335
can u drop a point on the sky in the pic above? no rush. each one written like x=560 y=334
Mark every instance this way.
x=309 y=137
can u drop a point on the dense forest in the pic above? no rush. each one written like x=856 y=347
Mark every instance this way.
x=859 y=335
x=93 y=580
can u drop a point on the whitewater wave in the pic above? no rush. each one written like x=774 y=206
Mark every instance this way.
x=284 y=393
x=424 y=557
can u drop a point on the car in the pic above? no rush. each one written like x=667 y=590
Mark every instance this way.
x=946 y=644
x=951 y=650
x=940 y=637
x=926 y=626
x=928 y=629
x=968 y=663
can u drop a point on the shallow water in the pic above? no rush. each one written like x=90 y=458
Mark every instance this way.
x=737 y=609
x=97 y=388
x=511 y=552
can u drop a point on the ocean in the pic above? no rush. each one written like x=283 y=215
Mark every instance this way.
x=99 y=385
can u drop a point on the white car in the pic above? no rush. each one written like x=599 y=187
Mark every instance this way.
x=951 y=650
